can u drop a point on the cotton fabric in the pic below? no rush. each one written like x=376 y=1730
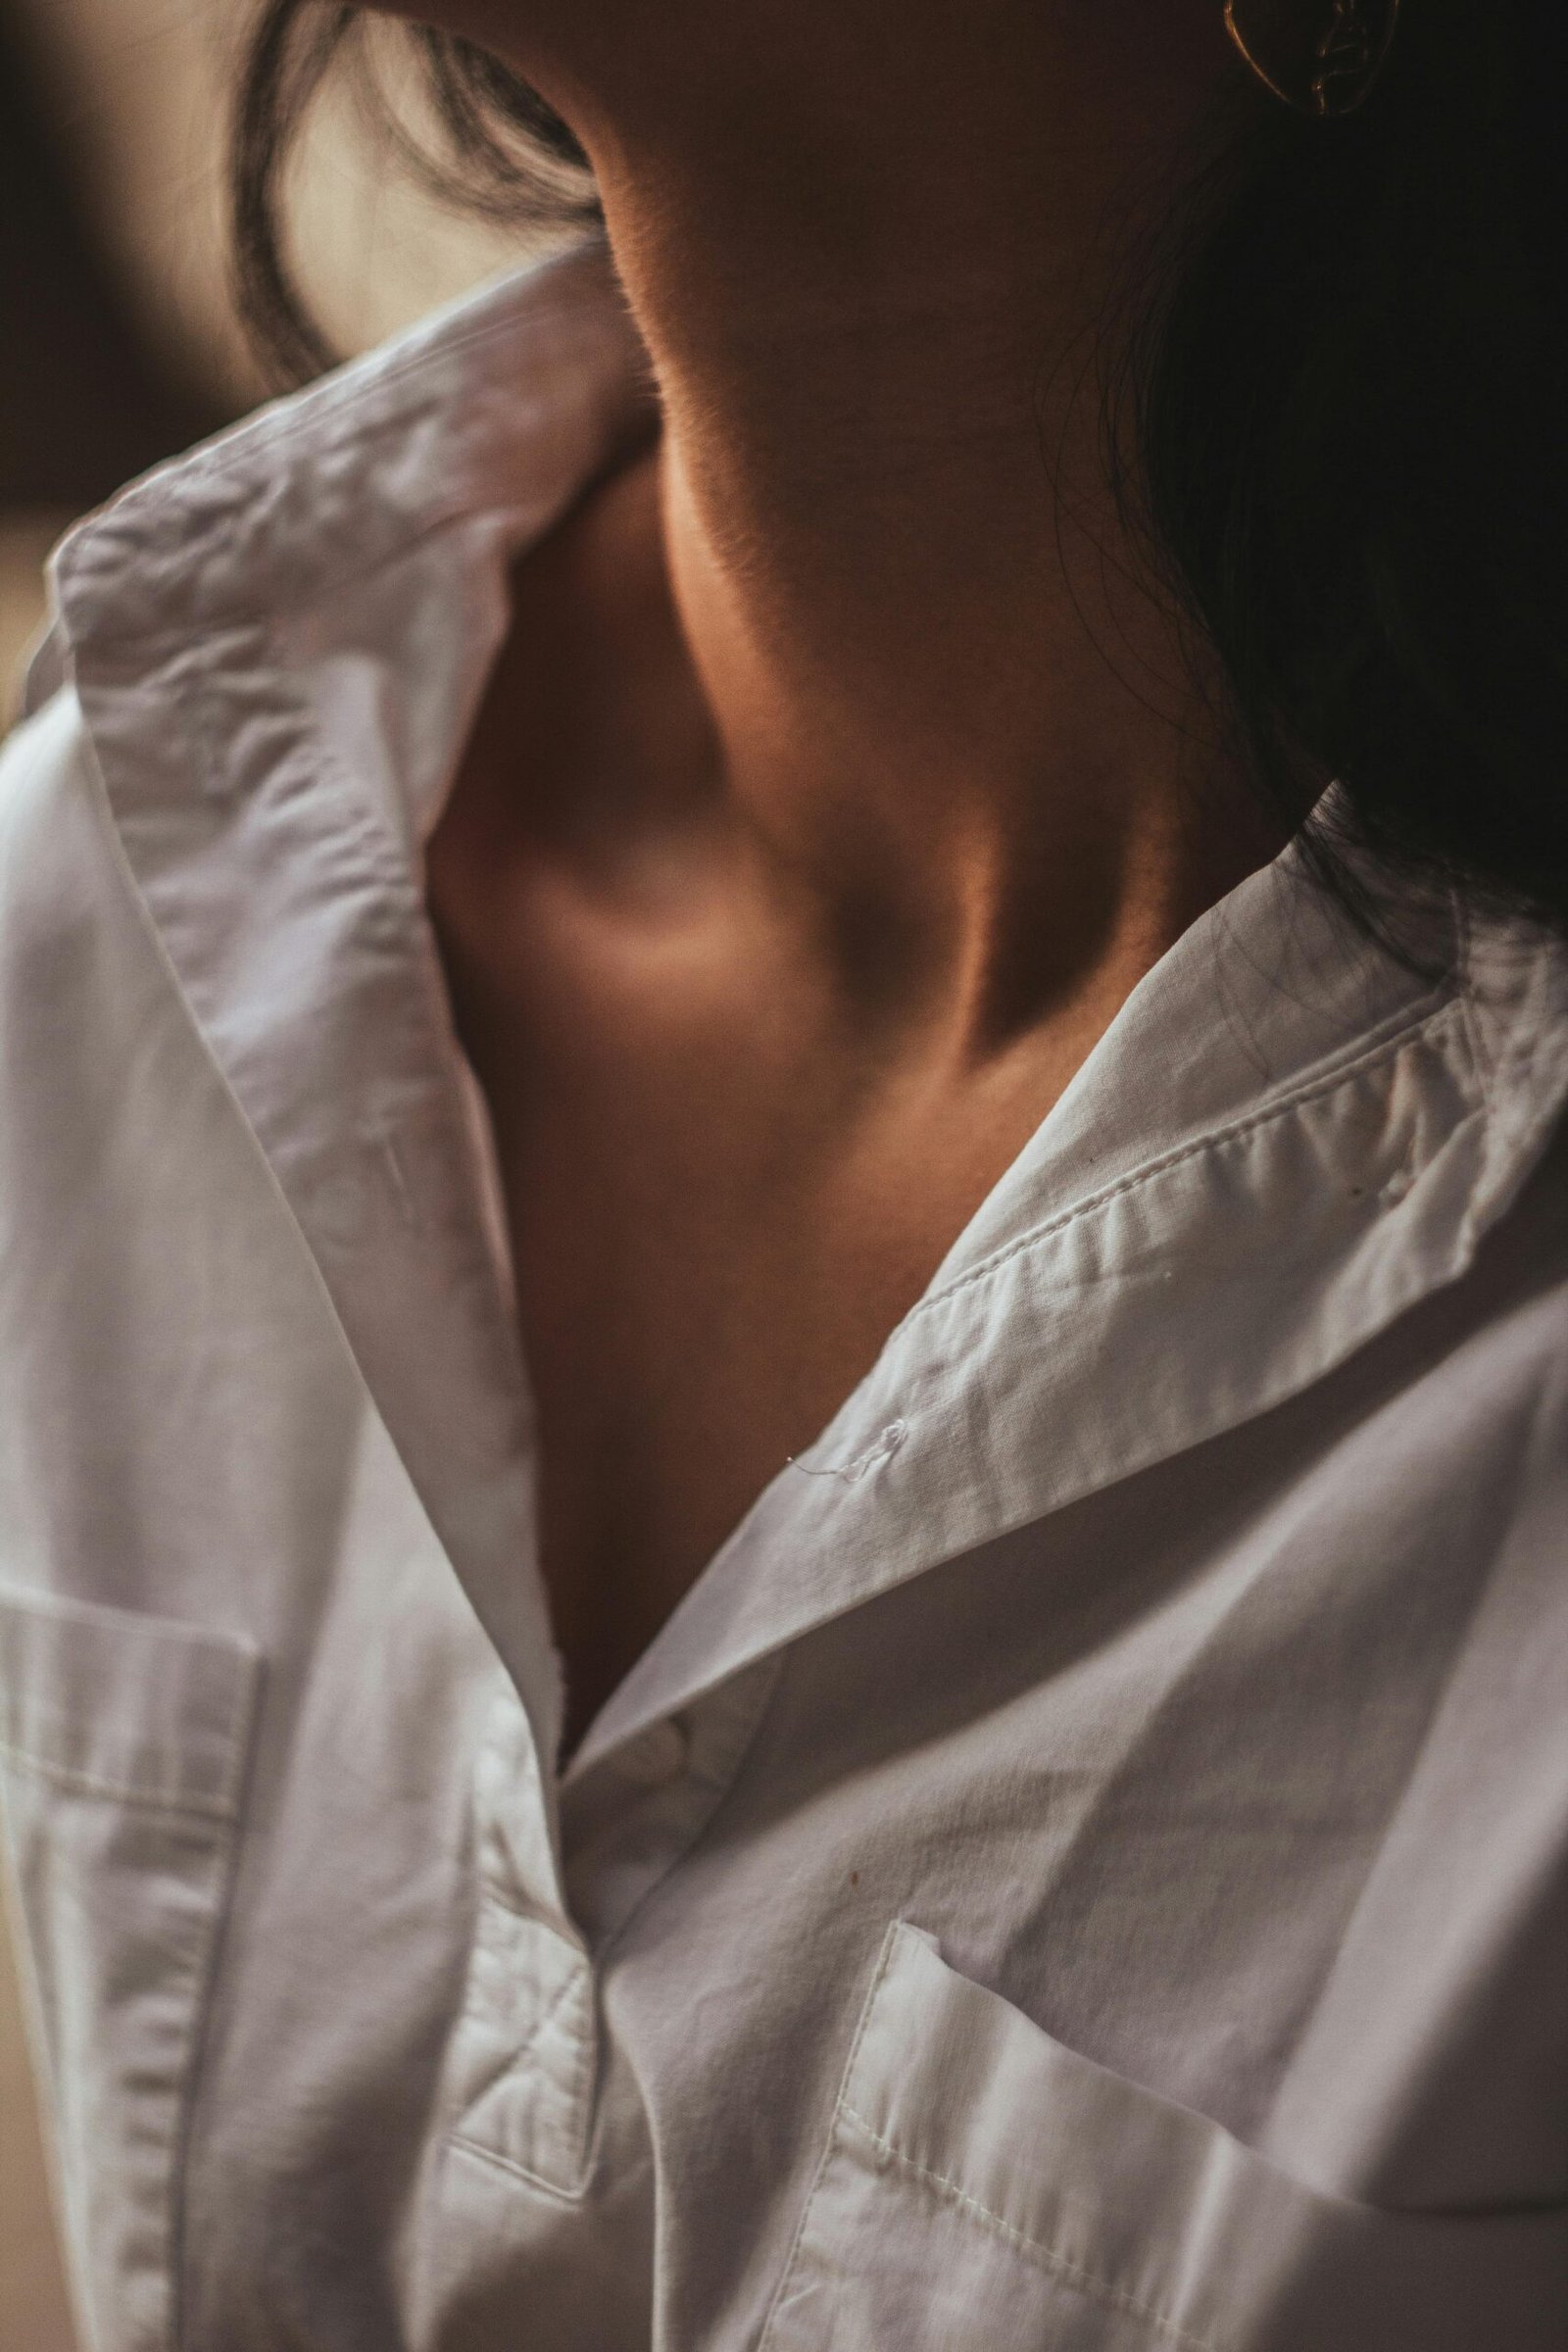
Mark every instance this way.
x=1082 y=1868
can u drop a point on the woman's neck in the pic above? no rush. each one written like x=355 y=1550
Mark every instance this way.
x=872 y=274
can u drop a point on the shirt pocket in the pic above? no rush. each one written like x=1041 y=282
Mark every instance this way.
x=122 y=1750
x=983 y=2185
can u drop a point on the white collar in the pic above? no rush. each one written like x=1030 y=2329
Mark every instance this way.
x=1282 y=1143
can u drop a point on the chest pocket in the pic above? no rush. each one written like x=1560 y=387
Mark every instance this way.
x=123 y=1748
x=984 y=2186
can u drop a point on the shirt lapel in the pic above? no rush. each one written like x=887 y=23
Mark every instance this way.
x=1285 y=1140
x=244 y=632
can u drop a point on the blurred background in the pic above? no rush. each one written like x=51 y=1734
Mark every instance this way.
x=119 y=346
x=120 y=343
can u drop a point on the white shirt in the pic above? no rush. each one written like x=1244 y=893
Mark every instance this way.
x=1081 y=1869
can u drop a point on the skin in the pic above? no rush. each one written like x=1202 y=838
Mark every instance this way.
x=842 y=775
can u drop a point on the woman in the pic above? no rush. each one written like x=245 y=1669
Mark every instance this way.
x=905 y=825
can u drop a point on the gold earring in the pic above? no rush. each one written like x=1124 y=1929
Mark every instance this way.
x=1325 y=73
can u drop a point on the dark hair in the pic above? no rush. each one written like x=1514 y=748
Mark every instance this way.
x=509 y=155
x=1346 y=383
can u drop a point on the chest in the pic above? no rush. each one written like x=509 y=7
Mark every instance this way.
x=720 y=1204
x=1071 y=1934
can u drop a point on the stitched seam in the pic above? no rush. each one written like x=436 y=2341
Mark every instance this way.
x=889 y=1944
x=572 y=2096
x=519 y=2172
x=1520 y=1064
x=1521 y=1130
x=397 y=884
x=491 y=1892
x=1468 y=1009
x=1086 y=2281
x=83 y=1784
x=345 y=399
x=587 y=2052
x=340 y=422
x=108 y=826
x=119 y=658
x=226 y=1863
x=1416 y=1031
x=524 y=2050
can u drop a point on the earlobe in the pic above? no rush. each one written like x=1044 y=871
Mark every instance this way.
x=1322 y=59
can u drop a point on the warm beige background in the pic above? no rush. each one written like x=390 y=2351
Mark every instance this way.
x=143 y=86
x=139 y=86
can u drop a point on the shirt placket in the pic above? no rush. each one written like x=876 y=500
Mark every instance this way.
x=640 y=1807
x=527 y=2056
x=524 y=2055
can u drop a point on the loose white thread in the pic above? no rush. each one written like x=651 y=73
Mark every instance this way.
x=856 y=1468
